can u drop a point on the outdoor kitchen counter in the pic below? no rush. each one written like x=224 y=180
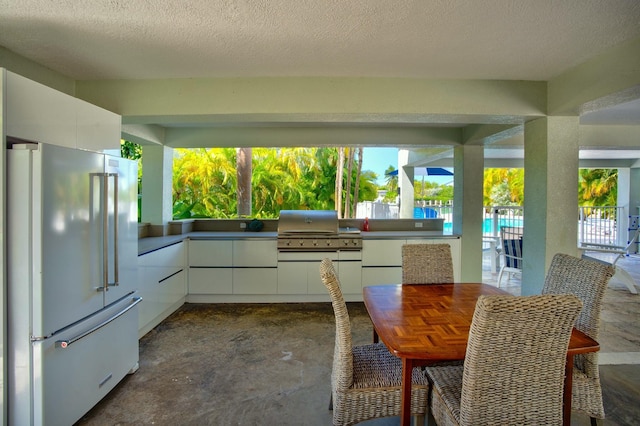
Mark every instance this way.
x=149 y=244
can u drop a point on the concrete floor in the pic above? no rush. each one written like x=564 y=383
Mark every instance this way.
x=270 y=364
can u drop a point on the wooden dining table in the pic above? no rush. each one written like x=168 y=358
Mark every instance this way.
x=425 y=323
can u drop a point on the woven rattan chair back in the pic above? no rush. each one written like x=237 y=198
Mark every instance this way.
x=366 y=379
x=342 y=372
x=588 y=280
x=427 y=264
x=514 y=365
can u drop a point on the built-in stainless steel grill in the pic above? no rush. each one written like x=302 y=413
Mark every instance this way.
x=314 y=230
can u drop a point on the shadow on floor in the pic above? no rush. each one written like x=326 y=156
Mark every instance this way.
x=265 y=364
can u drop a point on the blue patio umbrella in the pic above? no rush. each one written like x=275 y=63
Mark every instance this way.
x=428 y=171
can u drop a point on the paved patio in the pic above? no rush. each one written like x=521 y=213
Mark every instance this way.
x=264 y=364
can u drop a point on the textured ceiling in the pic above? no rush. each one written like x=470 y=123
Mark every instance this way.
x=490 y=39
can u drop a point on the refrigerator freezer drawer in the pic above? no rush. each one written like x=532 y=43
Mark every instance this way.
x=69 y=379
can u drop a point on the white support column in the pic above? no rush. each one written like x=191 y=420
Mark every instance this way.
x=157 y=181
x=468 y=178
x=405 y=185
x=624 y=188
x=550 y=196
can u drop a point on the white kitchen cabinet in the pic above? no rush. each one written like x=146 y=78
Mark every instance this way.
x=162 y=284
x=350 y=272
x=381 y=275
x=382 y=259
x=255 y=253
x=255 y=263
x=207 y=281
x=232 y=267
x=383 y=252
x=292 y=277
x=210 y=253
x=315 y=285
x=97 y=128
x=38 y=113
x=255 y=281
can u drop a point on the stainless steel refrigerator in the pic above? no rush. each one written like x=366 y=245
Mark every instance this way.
x=72 y=268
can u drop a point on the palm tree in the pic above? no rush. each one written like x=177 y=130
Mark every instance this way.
x=598 y=187
x=356 y=190
x=243 y=170
x=347 y=196
x=338 y=183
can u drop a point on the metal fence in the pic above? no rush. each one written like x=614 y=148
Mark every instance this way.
x=610 y=225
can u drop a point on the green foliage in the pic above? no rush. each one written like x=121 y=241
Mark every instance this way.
x=204 y=181
x=503 y=187
x=133 y=151
x=130 y=150
x=598 y=187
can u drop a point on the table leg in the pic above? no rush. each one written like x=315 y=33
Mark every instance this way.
x=568 y=388
x=407 y=371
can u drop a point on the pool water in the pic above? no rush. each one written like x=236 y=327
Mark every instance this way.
x=487 y=225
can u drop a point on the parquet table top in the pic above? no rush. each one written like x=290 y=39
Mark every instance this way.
x=426 y=322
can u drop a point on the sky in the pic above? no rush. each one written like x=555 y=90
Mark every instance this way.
x=379 y=159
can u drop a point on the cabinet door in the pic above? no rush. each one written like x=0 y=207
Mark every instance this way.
x=173 y=255
x=382 y=252
x=381 y=275
x=97 y=128
x=210 y=281
x=314 y=282
x=254 y=253
x=208 y=253
x=172 y=288
x=292 y=278
x=255 y=281
x=39 y=113
x=350 y=274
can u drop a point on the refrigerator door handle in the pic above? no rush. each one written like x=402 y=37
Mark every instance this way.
x=105 y=231
x=116 y=279
x=63 y=344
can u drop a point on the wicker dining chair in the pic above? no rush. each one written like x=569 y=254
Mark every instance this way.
x=588 y=280
x=514 y=366
x=427 y=264
x=366 y=380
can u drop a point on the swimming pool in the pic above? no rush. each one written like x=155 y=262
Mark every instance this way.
x=487 y=225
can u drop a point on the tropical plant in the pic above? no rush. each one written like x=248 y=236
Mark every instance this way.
x=598 y=187
x=285 y=178
x=503 y=187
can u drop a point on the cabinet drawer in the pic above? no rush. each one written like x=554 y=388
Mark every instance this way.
x=382 y=252
x=379 y=276
x=254 y=253
x=210 y=281
x=210 y=253
x=172 y=289
x=172 y=255
x=255 y=281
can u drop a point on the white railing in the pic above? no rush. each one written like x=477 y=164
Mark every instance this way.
x=495 y=217
x=603 y=225
x=609 y=225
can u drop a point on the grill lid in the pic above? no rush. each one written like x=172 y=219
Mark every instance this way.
x=297 y=222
